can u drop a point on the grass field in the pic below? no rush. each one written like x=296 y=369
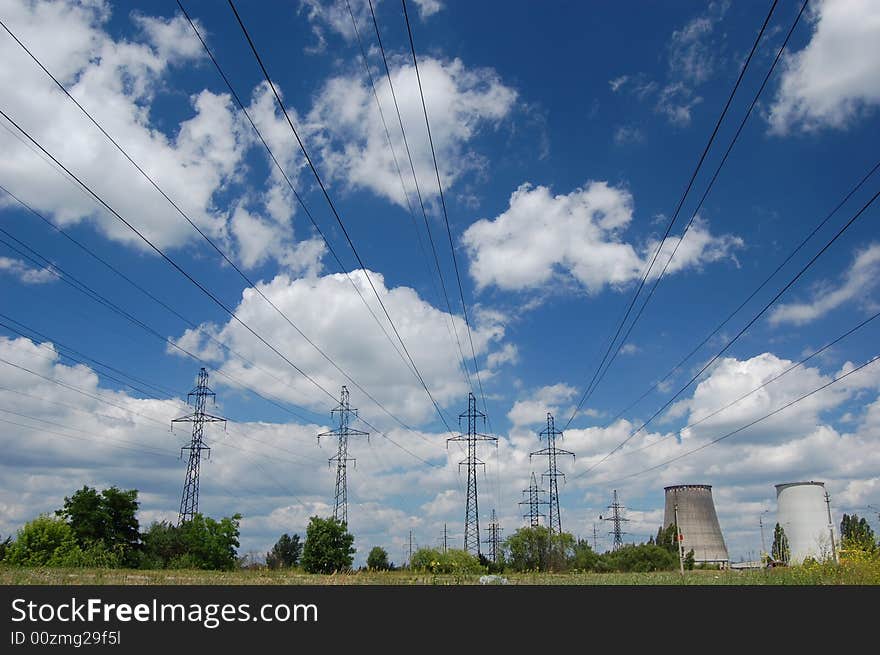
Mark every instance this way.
x=858 y=573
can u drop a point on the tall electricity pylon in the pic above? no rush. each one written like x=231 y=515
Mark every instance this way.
x=198 y=398
x=342 y=412
x=550 y=433
x=472 y=512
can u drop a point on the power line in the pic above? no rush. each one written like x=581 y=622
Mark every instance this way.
x=742 y=331
x=342 y=269
x=418 y=188
x=83 y=288
x=102 y=300
x=336 y=213
x=754 y=422
x=754 y=292
x=764 y=384
x=709 y=187
x=69 y=436
x=406 y=194
x=445 y=213
x=591 y=386
x=197 y=284
x=213 y=244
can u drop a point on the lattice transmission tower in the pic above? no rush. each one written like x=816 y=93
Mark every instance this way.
x=550 y=433
x=472 y=511
x=494 y=537
x=198 y=398
x=342 y=413
x=535 y=500
x=617 y=520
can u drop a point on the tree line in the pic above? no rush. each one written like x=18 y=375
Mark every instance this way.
x=101 y=529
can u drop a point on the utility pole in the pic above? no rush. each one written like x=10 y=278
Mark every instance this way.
x=410 y=551
x=679 y=540
x=595 y=539
x=198 y=398
x=763 y=542
x=534 y=502
x=616 y=519
x=444 y=539
x=343 y=413
x=472 y=511
x=493 y=538
x=831 y=527
x=552 y=452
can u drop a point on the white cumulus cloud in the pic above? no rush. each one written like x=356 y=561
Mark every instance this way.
x=836 y=76
x=541 y=238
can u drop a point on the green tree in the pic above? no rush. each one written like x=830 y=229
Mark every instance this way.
x=528 y=549
x=107 y=519
x=856 y=534
x=329 y=546
x=377 y=560
x=200 y=543
x=536 y=549
x=668 y=538
x=585 y=558
x=45 y=541
x=285 y=553
x=780 y=550
x=689 y=560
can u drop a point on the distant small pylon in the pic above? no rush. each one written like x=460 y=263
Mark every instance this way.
x=534 y=502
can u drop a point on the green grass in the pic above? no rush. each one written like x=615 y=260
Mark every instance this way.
x=859 y=573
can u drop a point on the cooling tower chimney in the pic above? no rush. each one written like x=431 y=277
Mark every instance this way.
x=697 y=521
x=802 y=512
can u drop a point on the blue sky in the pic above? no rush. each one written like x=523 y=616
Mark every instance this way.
x=565 y=135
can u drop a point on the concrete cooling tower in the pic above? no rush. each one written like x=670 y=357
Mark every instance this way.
x=802 y=512
x=697 y=521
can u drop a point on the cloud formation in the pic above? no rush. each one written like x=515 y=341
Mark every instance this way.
x=835 y=78
x=541 y=238
x=860 y=278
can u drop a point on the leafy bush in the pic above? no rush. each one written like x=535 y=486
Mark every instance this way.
x=454 y=560
x=200 y=543
x=638 y=558
x=45 y=541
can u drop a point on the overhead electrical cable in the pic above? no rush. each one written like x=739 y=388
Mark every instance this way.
x=210 y=241
x=705 y=193
x=754 y=292
x=336 y=214
x=445 y=212
x=764 y=384
x=412 y=214
x=418 y=189
x=72 y=281
x=751 y=423
x=590 y=388
x=742 y=331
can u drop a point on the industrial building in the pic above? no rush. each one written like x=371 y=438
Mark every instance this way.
x=803 y=510
x=697 y=522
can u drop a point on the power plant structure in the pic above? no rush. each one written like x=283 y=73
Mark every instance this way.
x=803 y=510
x=690 y=506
